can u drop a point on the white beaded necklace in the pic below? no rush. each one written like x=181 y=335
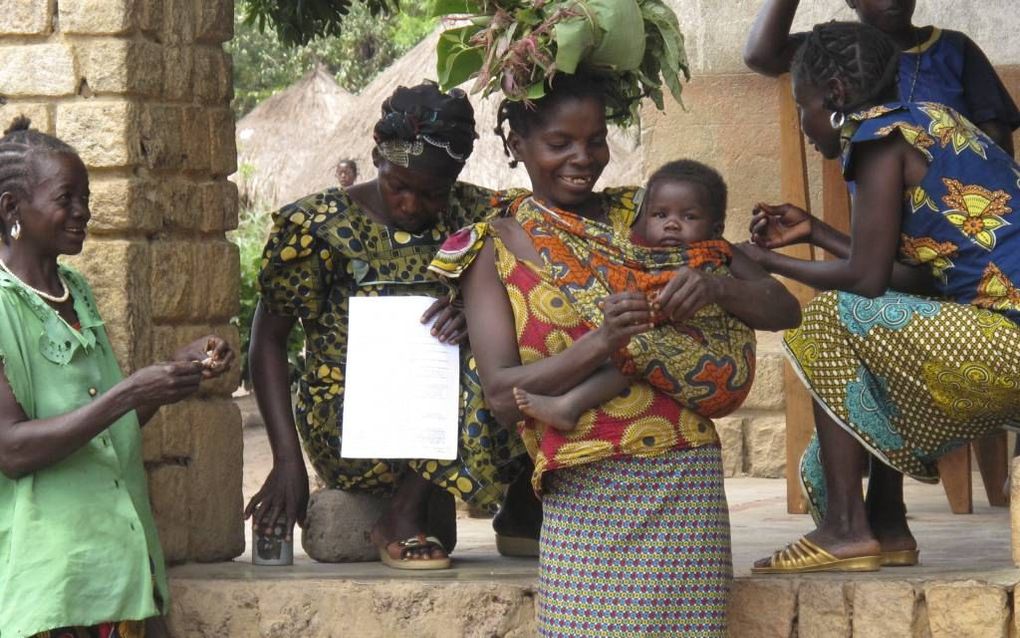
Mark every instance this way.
x=45 y=295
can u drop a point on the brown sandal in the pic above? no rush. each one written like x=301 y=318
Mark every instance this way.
x=409 y=545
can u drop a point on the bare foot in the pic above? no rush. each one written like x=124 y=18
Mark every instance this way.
x=554 y=411
x=887 y=519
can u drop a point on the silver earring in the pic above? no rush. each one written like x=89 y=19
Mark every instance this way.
x=837 y=120
x=16 y=230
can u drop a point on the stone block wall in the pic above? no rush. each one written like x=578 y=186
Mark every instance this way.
x=142 y=89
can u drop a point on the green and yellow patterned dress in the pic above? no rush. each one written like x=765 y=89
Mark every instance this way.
x=911 y=377
x=324 y=249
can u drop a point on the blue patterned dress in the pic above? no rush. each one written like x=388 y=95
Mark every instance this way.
x=911 y=377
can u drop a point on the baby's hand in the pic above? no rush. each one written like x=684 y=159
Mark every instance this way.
x=625 y=315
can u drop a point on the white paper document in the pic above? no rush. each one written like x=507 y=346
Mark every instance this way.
x=402 y=393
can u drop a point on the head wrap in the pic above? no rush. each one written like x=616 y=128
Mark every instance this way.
x=423 y=128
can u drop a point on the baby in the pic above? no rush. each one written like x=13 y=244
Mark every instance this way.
x=685 y=202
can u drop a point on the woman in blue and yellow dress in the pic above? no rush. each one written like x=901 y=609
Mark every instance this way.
x=936 y=65
x=375 y=238
x=916 y=348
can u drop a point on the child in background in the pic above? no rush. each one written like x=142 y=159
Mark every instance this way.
x=936 y=65
x=685 y=203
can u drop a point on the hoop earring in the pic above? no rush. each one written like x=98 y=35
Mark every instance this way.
x=16 y=230
x=837 y=123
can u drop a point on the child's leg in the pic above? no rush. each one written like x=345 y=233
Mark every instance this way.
x=563 y=411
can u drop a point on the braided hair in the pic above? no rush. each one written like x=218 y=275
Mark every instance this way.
x=863 y=58
x=523 y=116
x=17 y=146
x=693 y=172
x=445 y=121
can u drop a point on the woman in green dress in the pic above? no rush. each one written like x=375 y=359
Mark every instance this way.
x=375 y=239
x=79 y=552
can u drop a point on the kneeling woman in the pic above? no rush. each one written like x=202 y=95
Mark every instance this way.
x=374 y=239
x=79 y=554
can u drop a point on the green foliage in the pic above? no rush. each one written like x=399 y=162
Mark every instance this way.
x=298 y=22
x=252 y=232
x=515 y=46
x=264 y=62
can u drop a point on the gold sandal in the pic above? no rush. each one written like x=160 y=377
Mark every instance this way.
x=804 y=557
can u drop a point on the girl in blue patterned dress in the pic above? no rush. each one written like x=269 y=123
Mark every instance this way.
x=916 y=348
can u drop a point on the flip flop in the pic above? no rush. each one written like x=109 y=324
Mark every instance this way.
x=517 y=546
x=408 y=545
x=804 y=557
x=900 y=558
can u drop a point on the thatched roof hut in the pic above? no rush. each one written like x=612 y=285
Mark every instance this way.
x=276 y=141
x=324 y=140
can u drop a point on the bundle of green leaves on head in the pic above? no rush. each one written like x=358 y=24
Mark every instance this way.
x=518 y=46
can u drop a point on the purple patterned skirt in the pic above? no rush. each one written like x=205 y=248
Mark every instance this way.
x=636 y=546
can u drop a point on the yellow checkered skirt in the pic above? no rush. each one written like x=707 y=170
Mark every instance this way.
x=909 y=377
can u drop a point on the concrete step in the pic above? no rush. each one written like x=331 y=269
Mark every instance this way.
x=963 y=588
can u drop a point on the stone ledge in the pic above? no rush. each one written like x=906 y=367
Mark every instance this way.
x=316 y=608
x=496 y=597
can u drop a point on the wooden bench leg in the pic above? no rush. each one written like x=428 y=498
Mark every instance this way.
x=800 y=417
x=992 y=455
x=800 y=425
x=954 y=470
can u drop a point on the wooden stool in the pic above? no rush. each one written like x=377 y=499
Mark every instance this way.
x=954 y=468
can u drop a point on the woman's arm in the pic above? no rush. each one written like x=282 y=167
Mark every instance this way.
x=28 y=445
x=867 y=267
x=493 y=337
x=285 y=490
x=769 y=49
x=213 y=351
x=755 y=297
x=783 y=225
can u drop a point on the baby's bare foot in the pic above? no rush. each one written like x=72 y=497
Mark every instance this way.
x=553 y=411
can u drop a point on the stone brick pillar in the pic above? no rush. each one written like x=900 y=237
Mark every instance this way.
x=142 y=89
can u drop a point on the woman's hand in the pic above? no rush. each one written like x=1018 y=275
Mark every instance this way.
x=211 y=351
x=686 y=293
x=450 y=326
x=781 y=225
x=626 y=314
x=285 y=492
x=164 y=383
